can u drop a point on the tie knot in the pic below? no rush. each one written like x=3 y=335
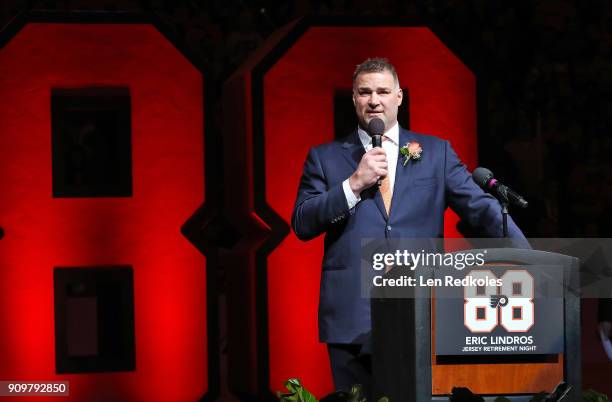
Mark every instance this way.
x=383 y=138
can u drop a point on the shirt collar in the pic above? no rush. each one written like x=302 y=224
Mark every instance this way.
x=392 y=134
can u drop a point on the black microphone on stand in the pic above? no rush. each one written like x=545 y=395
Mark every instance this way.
x=376 y=129
x=485 y=179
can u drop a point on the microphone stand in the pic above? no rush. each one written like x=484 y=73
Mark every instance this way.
x=504 y=211
x=503 y=200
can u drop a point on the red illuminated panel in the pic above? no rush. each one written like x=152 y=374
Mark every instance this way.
x=142 y=231
x=298 y=114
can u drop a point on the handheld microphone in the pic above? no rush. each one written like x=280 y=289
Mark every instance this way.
x=376 y=129
x=485 y=179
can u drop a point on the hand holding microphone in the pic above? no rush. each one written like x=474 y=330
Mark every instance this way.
x=373 y=164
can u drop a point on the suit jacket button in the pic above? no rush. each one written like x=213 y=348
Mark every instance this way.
x=389 y=228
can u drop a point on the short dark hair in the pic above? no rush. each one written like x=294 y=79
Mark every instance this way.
x=375 y=65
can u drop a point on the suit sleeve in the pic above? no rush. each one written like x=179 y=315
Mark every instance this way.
x=479 y=209
x=318 y=205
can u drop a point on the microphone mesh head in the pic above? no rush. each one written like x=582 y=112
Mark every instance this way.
x=376 y=126
x=481 y=176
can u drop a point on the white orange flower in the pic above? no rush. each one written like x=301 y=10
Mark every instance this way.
x=412 y=150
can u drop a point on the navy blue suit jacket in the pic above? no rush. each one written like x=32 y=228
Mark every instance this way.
x=422 y=191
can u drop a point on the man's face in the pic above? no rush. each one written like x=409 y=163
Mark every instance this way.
x=375 y=95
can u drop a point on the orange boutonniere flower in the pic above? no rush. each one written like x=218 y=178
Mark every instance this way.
x=411 y=150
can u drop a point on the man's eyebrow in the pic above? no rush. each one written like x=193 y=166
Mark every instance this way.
x=377 y=89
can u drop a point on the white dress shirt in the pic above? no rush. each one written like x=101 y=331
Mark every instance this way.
x=391 y=147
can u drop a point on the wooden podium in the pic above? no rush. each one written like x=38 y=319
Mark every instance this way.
x=407 y=369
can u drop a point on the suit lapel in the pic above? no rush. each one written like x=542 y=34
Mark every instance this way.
x=352 y=151
x=379 y=201
x=403 y=174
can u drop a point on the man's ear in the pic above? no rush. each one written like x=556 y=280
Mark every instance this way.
x=354 y=100
x=400 y=96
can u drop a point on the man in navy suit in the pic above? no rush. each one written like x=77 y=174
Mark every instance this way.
x=338 y=197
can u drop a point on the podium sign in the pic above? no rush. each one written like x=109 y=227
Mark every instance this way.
x=500 y=303
x=500 y=310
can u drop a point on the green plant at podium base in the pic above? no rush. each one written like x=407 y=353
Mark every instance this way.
x=592 y=396
x=297 y=393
